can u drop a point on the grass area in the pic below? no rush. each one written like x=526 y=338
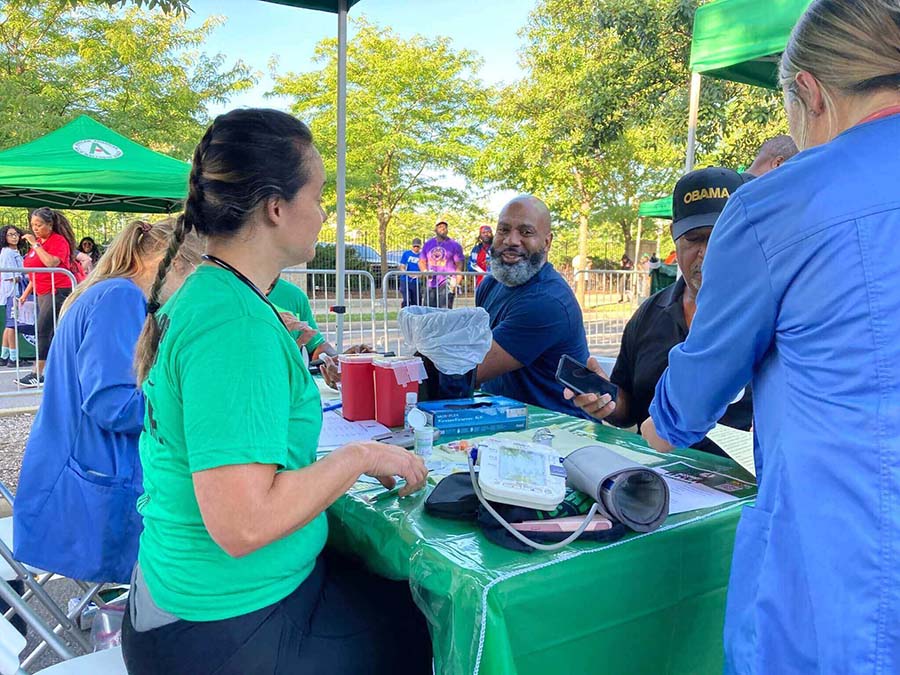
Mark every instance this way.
x=612 y=311
x=356 y=318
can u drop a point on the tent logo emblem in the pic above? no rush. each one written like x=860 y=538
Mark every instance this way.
x=91 y=147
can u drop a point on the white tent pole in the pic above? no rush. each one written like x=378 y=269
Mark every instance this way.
x=341 y=167
x=692 y=123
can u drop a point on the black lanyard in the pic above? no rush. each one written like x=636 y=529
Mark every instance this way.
x=244 y=280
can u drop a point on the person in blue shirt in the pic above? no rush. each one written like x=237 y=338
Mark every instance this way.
x=800 y=297
x=409 y=284
x=534 y=316
x=75 y=509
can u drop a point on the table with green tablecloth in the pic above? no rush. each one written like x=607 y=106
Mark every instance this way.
x=651 y=603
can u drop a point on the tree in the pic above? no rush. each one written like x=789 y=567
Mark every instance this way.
x=140 y=72
x=579 y=129
x=415 y=114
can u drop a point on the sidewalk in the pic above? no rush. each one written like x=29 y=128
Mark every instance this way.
x=11 y=395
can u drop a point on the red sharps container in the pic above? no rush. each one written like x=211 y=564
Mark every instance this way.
x=394 y=378
x=357 y=386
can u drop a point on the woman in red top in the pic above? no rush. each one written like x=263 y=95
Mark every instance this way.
x=52 y=245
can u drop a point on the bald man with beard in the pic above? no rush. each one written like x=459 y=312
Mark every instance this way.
x=535 y=318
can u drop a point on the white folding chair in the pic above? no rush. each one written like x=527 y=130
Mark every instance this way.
x=107 y=662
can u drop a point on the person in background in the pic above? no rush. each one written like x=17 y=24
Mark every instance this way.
x=480 y=256
x=665 y=318
x=10 y=286
x=81 y=476
x=88 y=254
x=52 y=245
x=799 y=296
x=442 y=254
x=290 y=299
x=772 y=154
x=644 y=276
x=231 y=575
x=409 y=285
x=534 y=316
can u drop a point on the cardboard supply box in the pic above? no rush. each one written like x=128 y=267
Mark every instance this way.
x=475 y=415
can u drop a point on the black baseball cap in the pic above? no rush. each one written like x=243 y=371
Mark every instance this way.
x=700 y=196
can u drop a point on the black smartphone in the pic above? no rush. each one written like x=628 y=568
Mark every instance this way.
x=579 y=379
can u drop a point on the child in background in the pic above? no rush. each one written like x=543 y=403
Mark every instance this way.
x=10 y=256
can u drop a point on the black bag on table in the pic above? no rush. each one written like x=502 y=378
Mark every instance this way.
x=454 y=499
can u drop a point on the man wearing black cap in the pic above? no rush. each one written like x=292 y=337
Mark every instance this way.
x=664 y=319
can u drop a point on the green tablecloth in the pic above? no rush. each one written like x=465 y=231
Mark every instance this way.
x=652 y=603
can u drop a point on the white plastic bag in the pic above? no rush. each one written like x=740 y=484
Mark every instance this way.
x=455 y=340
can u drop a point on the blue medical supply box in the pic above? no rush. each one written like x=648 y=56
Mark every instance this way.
x=475 y=415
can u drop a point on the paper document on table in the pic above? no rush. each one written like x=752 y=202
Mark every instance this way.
x=693 y=487
x=338 y=431
x=685 y=496
x=737 y=444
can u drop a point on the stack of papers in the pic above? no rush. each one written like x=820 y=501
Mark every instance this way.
x=692 y=488
x=737 y=444
x=337 y=431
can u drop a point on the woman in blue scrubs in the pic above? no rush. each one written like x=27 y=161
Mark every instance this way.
x=800 y=295
x=75 y=511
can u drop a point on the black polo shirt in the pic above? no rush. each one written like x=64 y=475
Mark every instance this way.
x=650 y=334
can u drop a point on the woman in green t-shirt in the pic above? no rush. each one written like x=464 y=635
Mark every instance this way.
x=231 y=574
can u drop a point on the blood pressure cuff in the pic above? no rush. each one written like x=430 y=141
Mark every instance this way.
x=454 y=498
x=627 y=492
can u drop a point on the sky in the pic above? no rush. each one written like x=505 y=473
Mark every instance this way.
x=255 y=31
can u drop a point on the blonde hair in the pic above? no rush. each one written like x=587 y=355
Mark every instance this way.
x=138 y=242
x=849 y=46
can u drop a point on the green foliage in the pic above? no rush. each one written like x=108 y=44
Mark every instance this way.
x=172 y=6
x=581 y=130
x=141 y=73
x=415 y=115
x=599 y=122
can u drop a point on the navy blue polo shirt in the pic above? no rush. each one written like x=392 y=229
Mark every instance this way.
x=536 y=323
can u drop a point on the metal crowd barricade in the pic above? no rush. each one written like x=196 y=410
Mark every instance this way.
x=359 y=303
x=398 y=293
x=25 y=334
x=610 y=299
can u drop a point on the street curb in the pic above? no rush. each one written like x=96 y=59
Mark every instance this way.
x=9 y=412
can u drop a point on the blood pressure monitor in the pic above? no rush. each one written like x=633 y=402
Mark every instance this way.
x=521 y=474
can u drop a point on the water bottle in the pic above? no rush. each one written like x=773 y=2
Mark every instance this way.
x=412 y=398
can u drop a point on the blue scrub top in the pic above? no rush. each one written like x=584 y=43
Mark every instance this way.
x=75 y=511
x=801 y=294
x=536 y=323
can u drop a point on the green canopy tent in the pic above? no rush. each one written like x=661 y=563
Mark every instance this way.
x=658 y=208
x=85 y=165
x=339 y=7
x=664 y=275
x=738 y=40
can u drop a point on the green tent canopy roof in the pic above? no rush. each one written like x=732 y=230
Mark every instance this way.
x=85 y=165
x=321 y=5
x=658 y=208
x=742 y=40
